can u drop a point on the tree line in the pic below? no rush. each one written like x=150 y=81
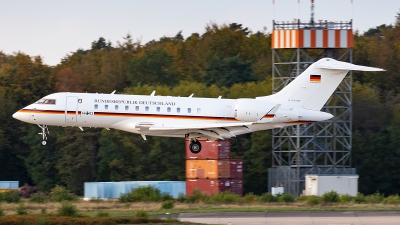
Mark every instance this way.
x=225 y=60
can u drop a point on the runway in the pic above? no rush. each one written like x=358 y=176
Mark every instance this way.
x=296 y=218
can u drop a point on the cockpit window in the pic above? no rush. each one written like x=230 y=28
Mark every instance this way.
x=40 y=101
x=50 y=101
x=46 y=101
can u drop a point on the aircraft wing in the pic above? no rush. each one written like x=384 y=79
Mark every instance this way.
x=156 y=127
x=212 y=131
x=202 y=130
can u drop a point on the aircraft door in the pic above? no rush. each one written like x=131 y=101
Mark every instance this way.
x=71 y=109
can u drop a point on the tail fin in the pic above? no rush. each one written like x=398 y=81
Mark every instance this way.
x=312 y=89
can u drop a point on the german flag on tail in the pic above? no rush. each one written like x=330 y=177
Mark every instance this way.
x=315 y=78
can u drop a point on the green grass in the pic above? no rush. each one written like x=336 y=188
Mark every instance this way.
x=52 y=219
x=114 y=208
x=249 y=208
x=281 y=209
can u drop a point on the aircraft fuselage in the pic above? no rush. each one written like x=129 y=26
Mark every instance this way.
x=213 y=118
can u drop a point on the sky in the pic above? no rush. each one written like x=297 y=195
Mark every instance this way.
x=55 y=28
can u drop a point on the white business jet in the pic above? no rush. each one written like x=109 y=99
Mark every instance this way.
x=299 y=102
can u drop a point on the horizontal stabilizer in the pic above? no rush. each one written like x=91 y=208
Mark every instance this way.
x=338 y=65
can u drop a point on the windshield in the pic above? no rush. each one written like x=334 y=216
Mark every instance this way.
x=40 y=101
x=46 y=101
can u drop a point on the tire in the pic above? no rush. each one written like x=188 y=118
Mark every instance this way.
x=195 y=147
x=44 y=143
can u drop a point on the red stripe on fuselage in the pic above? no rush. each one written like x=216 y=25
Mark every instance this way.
x=38 y=111
x=156 y=116
x=131 y=115
x=269 y=116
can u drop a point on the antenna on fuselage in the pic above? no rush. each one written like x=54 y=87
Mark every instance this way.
x=113 y=92
x=153 y=93
x=191 y=95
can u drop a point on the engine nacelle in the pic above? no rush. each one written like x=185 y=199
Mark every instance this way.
x=286 y=115
x=252 y=110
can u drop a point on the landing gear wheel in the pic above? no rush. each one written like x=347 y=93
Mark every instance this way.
x=44 y=143
x=195 y=147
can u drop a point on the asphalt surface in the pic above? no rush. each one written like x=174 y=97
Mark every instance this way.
x=296 y=218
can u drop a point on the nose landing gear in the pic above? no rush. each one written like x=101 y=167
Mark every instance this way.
x=44 y=133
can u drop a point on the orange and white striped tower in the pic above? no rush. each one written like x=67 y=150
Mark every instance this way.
x=317 y=148
x=322 y=38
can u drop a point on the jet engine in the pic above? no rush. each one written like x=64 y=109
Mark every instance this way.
x=286 y=115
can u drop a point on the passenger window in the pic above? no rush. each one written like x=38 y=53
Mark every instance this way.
x=189 y=110
x=127 y=107
x=158 y=109
x=106 y=106
x=147 y=108
x=169 y=109
x=116 y=107
x=178 y=110
x=137 y=108
x=96 y=106
x=198 y=110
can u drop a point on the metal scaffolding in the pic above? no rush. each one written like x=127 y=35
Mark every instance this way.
x=316 y=148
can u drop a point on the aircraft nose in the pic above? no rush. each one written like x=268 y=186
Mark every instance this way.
x=15 y=115
x=19 y=116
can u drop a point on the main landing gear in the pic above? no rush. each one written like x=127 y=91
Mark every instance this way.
x=44 y=133
x=195 y=146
